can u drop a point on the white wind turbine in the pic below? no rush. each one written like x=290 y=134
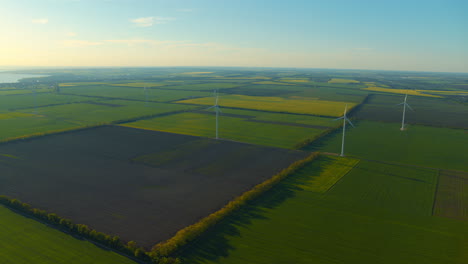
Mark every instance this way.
x=146 y=96
x=345 y=119
x=217 y=110
x=404 y=112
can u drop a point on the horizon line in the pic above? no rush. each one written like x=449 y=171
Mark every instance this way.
x=194 y=66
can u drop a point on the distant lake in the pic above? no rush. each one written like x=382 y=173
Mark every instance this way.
x=15 y=77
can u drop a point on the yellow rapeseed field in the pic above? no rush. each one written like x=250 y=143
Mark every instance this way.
x=10 y=115
x=336 y=80
x=274 y=83
x=301 y=106
x=294 y=80
x=401 y=91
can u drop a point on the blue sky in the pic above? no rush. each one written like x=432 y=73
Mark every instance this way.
x=393 y=35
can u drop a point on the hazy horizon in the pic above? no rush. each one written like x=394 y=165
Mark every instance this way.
x=422 y=36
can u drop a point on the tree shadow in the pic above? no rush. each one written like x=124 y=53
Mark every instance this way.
x=215 y=243
x=320 y=143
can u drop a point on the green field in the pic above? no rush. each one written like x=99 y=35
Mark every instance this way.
x=202 y=86
x=427 y=111
x=12 y=102
x=277 y=104
x=24 y=241
x=110 y=91
x=107 y=111
x=231 y=128
x=376 y=213
x=418 y=145
x=282 y=117
x=139 y=84
x=23 y=91
x=28 y=125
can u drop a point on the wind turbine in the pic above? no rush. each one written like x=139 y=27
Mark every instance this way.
x=35 y=97
x=217 y=110
x=146 y=96
x=345 y=119
x=404 y=112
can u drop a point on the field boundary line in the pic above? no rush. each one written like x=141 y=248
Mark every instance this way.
x=75 y=236
x=257 y=110
x=436 y=191
x=395 y=163
x=51 y=133
x=193 y=232
x=339 y=180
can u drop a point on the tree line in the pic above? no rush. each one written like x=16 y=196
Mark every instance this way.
x=130 y=248
x=164 y=252
x=190 y=233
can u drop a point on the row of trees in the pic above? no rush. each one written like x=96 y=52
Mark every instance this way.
x=308 y=141
x=114 y=242
x=190 y=233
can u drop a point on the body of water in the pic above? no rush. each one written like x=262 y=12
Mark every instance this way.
x=15 y=77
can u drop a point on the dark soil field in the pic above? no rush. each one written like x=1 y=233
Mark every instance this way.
x=140 y=185
x=452 y=197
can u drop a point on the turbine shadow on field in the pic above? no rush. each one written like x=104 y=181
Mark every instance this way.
x=215 y=243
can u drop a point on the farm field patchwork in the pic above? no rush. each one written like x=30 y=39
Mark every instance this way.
x=110 y=177
x=202 y=86
x=24 y=241
x=107 y=111
x=23 y=91
x=277 y=104
x=21 y=126
x=281 y=118
x=109 y=91
x=377 y=213
x=427 y=111
x=230 y=128
x=400 y=91
x=16 y=102
x=332 y=94
x=452 y=195
x=418 y=145
x=338 y=80
x=139 y=84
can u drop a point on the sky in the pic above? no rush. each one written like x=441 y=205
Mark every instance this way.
x=429 y=35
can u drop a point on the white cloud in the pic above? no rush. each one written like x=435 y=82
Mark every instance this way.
x=40 y=21
x=80 y=43
x=149 y=21
x=70 y=34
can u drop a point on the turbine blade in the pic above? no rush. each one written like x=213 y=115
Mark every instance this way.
x=401 y=103
x=349 y=121
x=219 y=109
x=210 y=107
x=409 y=107
x=338 y=118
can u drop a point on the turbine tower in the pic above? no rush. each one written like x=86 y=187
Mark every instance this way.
x=217 y=110
x=345 y=119
x=146 y=96
x=35 y=98
x=404 y=112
